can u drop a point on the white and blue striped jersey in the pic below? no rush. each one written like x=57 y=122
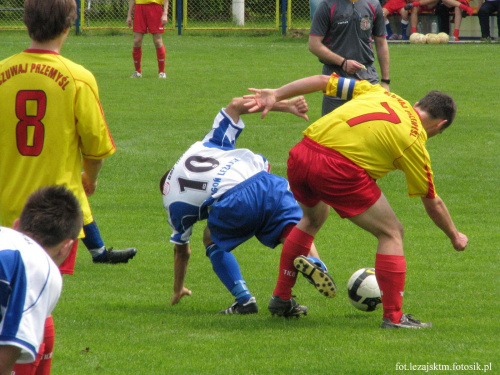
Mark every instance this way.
x=30 y=286
x=206 y=171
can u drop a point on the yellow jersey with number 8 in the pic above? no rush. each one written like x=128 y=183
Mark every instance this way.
x=51 y=116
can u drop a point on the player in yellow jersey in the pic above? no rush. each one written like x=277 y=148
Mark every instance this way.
x=52 y=125
x=149 y=17
x=337 y=164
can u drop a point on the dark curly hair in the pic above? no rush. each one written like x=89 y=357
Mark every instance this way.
x=51 y=215
x=439 y=106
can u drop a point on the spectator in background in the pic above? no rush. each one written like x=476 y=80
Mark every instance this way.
x=392 y=7
x=442 y=12
x=149 y=17
x=459 y=6
x=485 y=11
x=30 y=283
x=313 y=5
x=341 y=36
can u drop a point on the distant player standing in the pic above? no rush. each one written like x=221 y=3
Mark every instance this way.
x=338 y=162
x=30 y=282
x=149 y=17
x=233 y=190
x=52 y=124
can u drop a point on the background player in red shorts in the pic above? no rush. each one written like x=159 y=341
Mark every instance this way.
x=337 y=165
x=393 y=7
x=149 y=17
x=419 y=6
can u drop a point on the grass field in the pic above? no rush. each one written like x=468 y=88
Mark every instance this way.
x=117 y=319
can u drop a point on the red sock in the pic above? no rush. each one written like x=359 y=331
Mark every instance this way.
x=467 y=8
x=456 y=32
x=160 y=55
x=137 y=55
x=390 y=271
x=413 y=30
x=297 y=243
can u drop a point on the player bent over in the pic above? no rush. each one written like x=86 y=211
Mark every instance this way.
x=338 y=162
x=233 y=189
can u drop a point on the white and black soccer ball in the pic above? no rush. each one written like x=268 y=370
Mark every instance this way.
x=363 y=290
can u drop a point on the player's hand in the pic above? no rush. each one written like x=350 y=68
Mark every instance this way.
x=164 y=19
x=262 y=99
x=460 y=242
x=89 y=186
x=129 y=21
x=385 y=86
x=298 y=107
x=352 y=66
x=178 y=295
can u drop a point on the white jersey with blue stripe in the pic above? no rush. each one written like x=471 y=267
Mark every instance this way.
x=206 y=171
x=30 y=286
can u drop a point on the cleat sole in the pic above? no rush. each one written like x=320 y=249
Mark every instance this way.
x=322 y=281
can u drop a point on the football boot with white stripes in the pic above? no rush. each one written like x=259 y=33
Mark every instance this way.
x=249 y=307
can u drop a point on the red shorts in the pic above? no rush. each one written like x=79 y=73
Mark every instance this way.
x=394 y=6
x=147 y=18
x=317 y=173
x=68 y=266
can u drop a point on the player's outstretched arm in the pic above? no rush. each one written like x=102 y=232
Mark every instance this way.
x=264 y=99
x=240 y=106
x=437 y=211
x=296 y=106
x=182 y=254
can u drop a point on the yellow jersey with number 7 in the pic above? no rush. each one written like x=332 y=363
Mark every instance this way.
x=377 y=130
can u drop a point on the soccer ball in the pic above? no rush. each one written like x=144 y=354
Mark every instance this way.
x=443 y=37
x=417 y=38
x=363 y=290
x=432 y=38
x=414 y=37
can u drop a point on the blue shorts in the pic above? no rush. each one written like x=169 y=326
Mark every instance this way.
x=261 y=206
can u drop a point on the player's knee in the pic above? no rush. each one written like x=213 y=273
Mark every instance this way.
x=212 y=250
x=396 y=231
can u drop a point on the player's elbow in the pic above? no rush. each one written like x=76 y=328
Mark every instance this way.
x=433 y=206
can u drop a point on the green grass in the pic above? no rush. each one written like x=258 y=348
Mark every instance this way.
x=117 y=319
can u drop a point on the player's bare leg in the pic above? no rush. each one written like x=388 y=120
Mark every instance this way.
x=390 y=264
